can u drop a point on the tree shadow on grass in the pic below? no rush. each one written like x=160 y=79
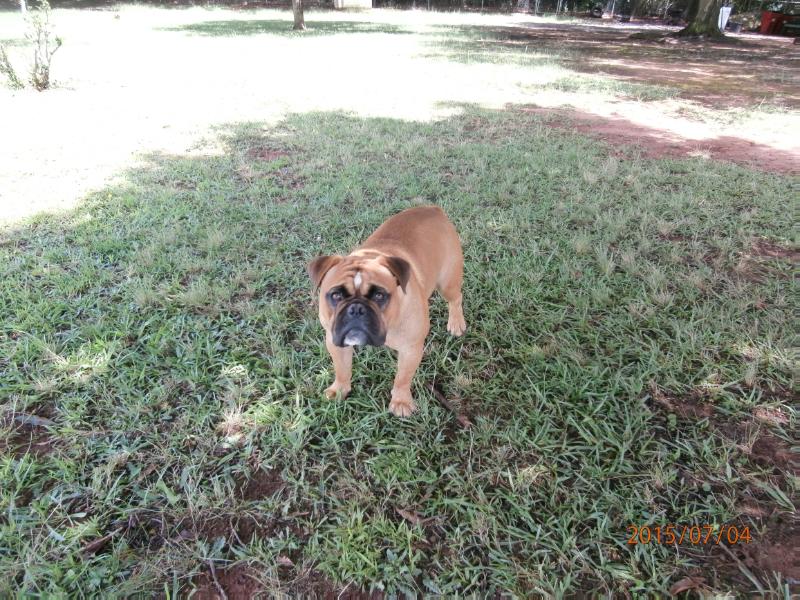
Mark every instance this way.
x=168 y=327
x=280 y=27
x=718 y=74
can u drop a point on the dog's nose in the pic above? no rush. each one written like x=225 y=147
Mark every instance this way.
x=356 y=310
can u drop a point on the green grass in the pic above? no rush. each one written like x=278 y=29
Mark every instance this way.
x=166 y=331
x=10 y=42
x=613 y=87
x=283 y=27
x=483 y=45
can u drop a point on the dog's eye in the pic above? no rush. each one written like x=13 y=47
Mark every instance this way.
x=336 y=296
x=379 y=296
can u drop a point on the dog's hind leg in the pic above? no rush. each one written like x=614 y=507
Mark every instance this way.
x=450 y=288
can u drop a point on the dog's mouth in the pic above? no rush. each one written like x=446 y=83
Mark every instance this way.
x=356 y=337
x=358 y=326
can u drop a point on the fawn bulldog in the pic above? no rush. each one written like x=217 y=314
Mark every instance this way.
x=378 y=295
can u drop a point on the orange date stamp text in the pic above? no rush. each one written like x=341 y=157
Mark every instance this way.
x=688 y=534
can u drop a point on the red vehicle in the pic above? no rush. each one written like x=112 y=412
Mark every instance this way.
x=778 y=14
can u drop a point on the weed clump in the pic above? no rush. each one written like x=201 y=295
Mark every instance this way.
x=45 y=45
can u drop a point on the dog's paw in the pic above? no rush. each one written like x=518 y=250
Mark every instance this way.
x=337 y=390
x=402 y=404
x=402 y=409
x=456 y=325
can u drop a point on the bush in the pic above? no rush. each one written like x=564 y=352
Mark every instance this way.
x=8 y=70
x=44 y=47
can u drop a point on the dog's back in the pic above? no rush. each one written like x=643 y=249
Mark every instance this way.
x=426 y=238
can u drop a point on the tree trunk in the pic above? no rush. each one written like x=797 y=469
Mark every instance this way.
x=23 y=5
x=691 y=10
x=705 y=20
x=637 y=8
x=299 y=21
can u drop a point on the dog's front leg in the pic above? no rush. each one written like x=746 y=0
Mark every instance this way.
x=342 y=367
x=408 y=359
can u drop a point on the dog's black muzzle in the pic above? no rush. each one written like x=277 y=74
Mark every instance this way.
x=358 y=324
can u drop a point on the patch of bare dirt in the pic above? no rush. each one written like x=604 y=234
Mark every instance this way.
x=754 y=264
x=153 y=531
x=774 y=545
x=237 y=583
x=764 y=248
x=240 y=582
x=265 y=154
x=771 y=415
x=755 y=509
x=262 y=484
x=287 y=179
x=770 y=450
x=752 y=270
x=776 y=550
x=760 y=445
x=773 y=548
x=238 y=528
x=316 y=586
x=622 y=134
x=674 y=237
x=687 y=407
x=29 y=434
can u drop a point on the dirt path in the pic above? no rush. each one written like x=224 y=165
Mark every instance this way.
x=621 y=134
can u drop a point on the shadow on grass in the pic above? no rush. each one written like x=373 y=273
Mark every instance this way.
x=483 y=44
x=281 y=27
x=717 y=74
x=167 y=330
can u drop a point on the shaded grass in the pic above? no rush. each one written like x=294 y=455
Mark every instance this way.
x=701 y=72
x=614 y=87
x=167 y=329
x=483 y=45
x=521 y=47
x=282 y=27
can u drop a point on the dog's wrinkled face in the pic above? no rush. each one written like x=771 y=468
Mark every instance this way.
x=359 y=296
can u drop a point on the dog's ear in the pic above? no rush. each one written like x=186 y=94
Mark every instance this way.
x=321 y=265
x=399 y=268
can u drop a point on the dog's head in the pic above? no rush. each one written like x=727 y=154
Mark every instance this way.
x=359 y=295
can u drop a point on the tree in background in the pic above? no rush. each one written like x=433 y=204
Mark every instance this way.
x=703 y=19
x=299 y=20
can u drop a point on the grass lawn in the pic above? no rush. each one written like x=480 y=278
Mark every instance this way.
x=630 y=357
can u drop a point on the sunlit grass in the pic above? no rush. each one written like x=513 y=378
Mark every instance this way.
x=197 y=69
